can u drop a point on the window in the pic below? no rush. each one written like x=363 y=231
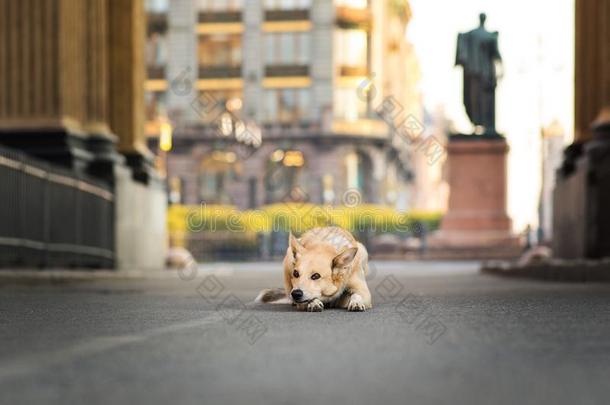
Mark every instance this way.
x=288 y=176
x=212 y=103
x=252 y=192
x=287 y=105
x=220 y=50
x=287 y=4
x=351 y=47
x=157 y=6
x=288 y=48
x=359 y=168
x=348 y=104
x=223 y=96
x=175 y=185
x=352 y=3
x=156 y=49
x=156 y=33
x=220 y=5
x=217 y=170
x=156 y=104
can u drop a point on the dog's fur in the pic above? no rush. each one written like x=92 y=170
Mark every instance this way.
x=341 y=263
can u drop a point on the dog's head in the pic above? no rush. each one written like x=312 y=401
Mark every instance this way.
x=317 y=271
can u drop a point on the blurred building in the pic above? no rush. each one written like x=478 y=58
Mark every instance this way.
x=77 y=183
x=275 y=98
x=430 y=183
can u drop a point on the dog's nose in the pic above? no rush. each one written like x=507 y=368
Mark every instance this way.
x=297 y=294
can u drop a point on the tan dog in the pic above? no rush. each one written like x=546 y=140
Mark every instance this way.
x=326 y=267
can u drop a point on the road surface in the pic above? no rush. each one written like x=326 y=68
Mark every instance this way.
x=440 y=333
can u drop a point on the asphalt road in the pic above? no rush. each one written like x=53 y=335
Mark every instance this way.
x=439 y=333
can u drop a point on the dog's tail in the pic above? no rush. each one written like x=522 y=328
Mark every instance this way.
x=273 y=296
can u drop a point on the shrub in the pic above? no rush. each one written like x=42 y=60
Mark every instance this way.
x=297 y=218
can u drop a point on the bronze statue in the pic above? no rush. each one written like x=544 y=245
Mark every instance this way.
x=477 y=53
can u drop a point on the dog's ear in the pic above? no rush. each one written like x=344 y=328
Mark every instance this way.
x=344 y=258
x=295 y=245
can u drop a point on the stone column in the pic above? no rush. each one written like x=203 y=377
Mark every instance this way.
x=126 y=76
x=42 y=77
x=101 y=141
x=97 y=67
x=140 y=200
x=592 y=56
x=581 y=219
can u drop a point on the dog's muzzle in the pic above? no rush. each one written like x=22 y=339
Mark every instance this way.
x=297 y=295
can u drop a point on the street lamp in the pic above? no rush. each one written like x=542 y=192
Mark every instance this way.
x=165 y=136
x=247 y=133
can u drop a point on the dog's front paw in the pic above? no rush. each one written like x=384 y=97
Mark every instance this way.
x=315 y=306
x=356 y=304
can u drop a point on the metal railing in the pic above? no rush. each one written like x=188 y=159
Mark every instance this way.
x=51 y=217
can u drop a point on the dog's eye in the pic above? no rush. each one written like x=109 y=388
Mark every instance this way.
x=315 y=276
x=295 y=273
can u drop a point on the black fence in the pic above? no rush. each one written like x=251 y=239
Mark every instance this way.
x=51 y=217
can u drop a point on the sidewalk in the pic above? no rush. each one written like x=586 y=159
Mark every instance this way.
x=51 y=276
x=553 y=270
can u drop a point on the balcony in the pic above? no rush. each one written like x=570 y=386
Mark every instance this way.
x=287 y=15
x=286 y=70
x=365 y=128
x=219 y=17
x=220 y=72
x=353 y=71
x=353 y=18
x=359 y=130
x=211 y=132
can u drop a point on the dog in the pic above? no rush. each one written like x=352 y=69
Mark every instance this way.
x=324 y=268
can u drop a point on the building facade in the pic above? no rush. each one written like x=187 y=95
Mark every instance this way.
x=277 y=99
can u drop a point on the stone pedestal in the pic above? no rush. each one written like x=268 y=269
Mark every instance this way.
x=140 y=212
x=476 y=217
x=105 y=156
x=59 y=146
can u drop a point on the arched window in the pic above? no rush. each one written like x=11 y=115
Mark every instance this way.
x=215 y=172
x=359 y=169
x=283 y=176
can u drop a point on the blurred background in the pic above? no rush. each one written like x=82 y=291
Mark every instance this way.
x=282 y=118
x=131 y=131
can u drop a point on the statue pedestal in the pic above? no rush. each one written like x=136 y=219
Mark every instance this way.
x=476 y=219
